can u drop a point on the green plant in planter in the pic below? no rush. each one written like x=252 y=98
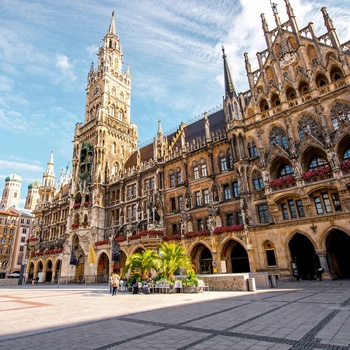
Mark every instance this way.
x=191 y=280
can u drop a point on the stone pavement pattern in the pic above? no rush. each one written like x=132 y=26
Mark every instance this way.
x=296 y=315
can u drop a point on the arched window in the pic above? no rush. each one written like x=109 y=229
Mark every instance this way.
x=318 y=163
x=270 y=254
x=291 y=94
x=264 y=105
x=258 y=181
x=111 y=111
x=347 y=154
x=309 y=125
x=285 y=171
x=275 y=100
x=278 y=136
x=339 y=112
x=252 y=151
x=321 y=80
x=336 y=74
x=303 y=88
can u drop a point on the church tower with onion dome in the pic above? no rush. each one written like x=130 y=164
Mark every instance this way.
x=11 y=192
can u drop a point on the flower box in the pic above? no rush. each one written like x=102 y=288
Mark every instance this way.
x=120 y=239
x=76 y=205
x=106 y=241
x=172 y=237
x=75 y=225
x=58 y=250
x=317 y=174
x=283 y=182
x=197 y=234
x=31 y=239
x=39 y=253
x=86 y=204
x=223 y=229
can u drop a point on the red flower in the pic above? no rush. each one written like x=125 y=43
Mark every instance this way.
x=106 y=241
x=224 y=229
x=76 y=205
x=120 y=239
x=172 y=237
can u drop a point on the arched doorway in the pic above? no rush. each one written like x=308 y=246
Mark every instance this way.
x=338 y=248
x=80 y=270
x=48 y=276
x=206 y=261
x=40 y=270
x=239 y=259
x=202 y=259
x=303 y=254
x=103 y=268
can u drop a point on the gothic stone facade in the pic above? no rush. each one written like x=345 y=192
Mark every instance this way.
x=260 y=185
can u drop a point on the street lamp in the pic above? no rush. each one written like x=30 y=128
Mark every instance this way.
x=60 y=257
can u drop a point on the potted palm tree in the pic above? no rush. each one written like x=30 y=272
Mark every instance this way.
x=142 y=262
x=172 y=258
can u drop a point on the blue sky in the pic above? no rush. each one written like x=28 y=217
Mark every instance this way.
x=173 y=49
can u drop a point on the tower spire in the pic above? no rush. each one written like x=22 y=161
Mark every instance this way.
x=229 y=86
x=111 y=29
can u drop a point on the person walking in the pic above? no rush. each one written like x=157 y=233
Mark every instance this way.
x=115 y=283
x=111 y=283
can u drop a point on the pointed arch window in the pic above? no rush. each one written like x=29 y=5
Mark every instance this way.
x=309 y=125
x=258 y=181
x=339 y=112
x=270 y=254
x=252 y=150
x=285 y=171
x=318 y=163
x=278 y=136
x=347 y=154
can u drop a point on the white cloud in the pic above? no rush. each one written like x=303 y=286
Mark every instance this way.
x=66 y=68
x=20 y=166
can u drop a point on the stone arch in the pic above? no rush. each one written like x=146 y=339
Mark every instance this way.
x=303 y=87
x=336 y=73
x=303 y=254
x=48 y=270
x=102 y=273
x=338 y=247
x=291 y=93
x=235 y=255
x=202 y=259
x=321 y=80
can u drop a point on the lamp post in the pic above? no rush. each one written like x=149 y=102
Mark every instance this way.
x=60 y=257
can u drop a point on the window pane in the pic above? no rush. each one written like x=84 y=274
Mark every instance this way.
x=271 y=259
x=285 y=211
x=293 y=212
x=318 y=204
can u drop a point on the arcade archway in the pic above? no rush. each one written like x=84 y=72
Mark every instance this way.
x=202 y=259
x=303 y=254
x=48 y=275
x=103 y=268
x=338 y=248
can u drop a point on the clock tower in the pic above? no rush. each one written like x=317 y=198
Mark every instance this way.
x=105 y=140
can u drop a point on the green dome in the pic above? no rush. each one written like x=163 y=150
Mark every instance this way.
x=35 y=184
x=13 y=177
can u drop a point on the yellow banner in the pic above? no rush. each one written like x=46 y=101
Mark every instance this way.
x=92 y=254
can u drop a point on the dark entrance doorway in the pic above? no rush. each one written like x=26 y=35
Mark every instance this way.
x=303 y=253
x=206 y=261
x=239 y=259
x=338 y=248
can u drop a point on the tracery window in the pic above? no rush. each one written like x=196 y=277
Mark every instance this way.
x=252 y=150
x=339 y=112
x=278 y=136
x=309 y=125
x=285 y=171
x=318 y=163
x=258 y=181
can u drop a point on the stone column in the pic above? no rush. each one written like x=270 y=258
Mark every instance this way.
x=322 y=254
